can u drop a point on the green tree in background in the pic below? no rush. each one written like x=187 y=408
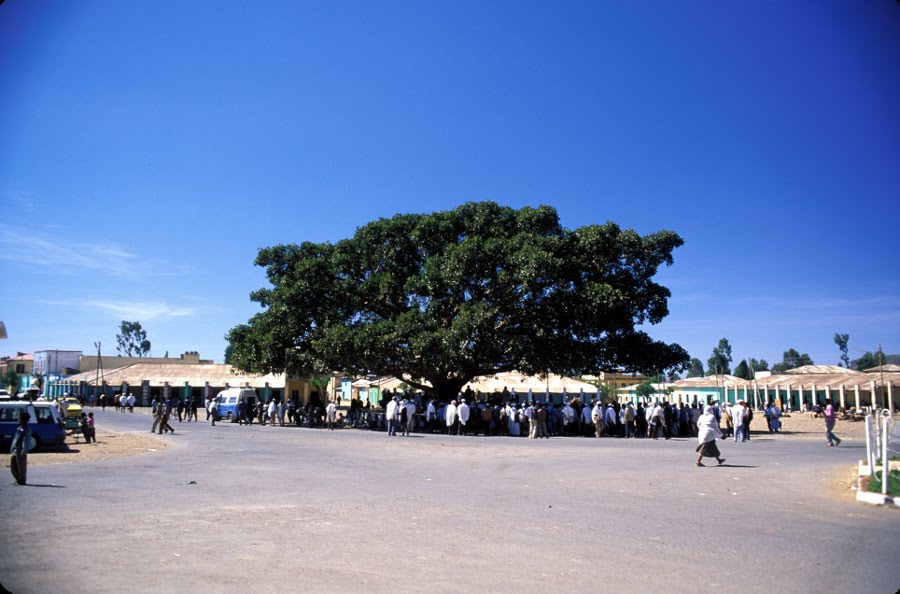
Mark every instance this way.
x=12 y=380
x=131 y=341
x=229 y=351
x=445 y=297
x=720 y=361
x=841 y=341
x=761 y=365
x=645 y=389
x=869 y=360
x=742 y=370
x=695 y=368
x=791 y=360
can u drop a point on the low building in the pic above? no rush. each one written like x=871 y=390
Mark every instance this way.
x=196 y=381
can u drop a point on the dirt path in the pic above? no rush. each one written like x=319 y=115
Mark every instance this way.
x=110 y=444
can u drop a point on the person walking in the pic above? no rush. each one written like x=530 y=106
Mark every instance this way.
x=707 y=433
x=830 y=421
x=214 y=411
x=18 y=449
x=159 y=410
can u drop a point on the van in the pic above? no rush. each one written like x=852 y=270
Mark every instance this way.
x=228 y=401
x=46 y=425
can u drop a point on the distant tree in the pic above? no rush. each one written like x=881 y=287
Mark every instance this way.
x=229 y=353
x=841 y=340
x=166 y=356
x=12 y=381
x=791 y=360
x=605 y=392
x=869 y=360
x=132 y=340
x=695 y=368
x=673 y=376
x=645 y=389
x=761 y=365
x=742 y=370
x=720 y=361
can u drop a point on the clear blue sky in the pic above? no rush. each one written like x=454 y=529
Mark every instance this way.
x=148 y=150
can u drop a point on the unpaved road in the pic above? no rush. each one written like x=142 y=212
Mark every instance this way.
x=263 y=509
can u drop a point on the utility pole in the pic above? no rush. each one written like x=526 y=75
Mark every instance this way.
x=97 y=384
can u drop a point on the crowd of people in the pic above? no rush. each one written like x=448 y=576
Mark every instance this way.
x=535 y=419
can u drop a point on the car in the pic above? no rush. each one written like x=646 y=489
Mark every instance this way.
x=69 y=407
x=228 y=401
x=47 y=428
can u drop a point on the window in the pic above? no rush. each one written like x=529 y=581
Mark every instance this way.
x=20 y=368
x=44 y=415
x=10 y=413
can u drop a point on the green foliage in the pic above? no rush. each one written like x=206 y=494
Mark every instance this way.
x=893 y=483
x=12 y=380
x=695 y=368
x=869 y=360
x=448 y=296
x=645 y=389
x=229 y=353
x=720 y=361
x=791 y=360
x=841 y=341
x=131 y=341
x=761 y=365
x=742 y=370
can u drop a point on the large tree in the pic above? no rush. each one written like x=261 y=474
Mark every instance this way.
x=720 y=360
x=131 y=341
x=791 y=360
x=437 y=299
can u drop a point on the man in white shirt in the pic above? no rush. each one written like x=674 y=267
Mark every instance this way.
x=392 y=415
x=463 y=412
x=610 y=420
x=410 y=416
x=451 y=418
x=587 y=420
x=568 y=418
x=331 y=415
x=597 y=417
x=738 y=416
x=430 y=416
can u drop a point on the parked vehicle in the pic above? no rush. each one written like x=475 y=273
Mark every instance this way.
x=228 y=401
x=46 y=425
x=70 y=407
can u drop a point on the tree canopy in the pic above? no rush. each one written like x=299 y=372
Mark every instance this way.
x=869 y=360
x=841 y=341
x=131 y=341
x=742 y=370
x=720 y=360
x=791 y=360
x=695 y=368
x=448 y=296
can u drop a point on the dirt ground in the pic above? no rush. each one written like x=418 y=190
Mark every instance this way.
x=110 y=444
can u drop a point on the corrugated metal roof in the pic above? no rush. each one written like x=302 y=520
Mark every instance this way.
x=158 y=374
